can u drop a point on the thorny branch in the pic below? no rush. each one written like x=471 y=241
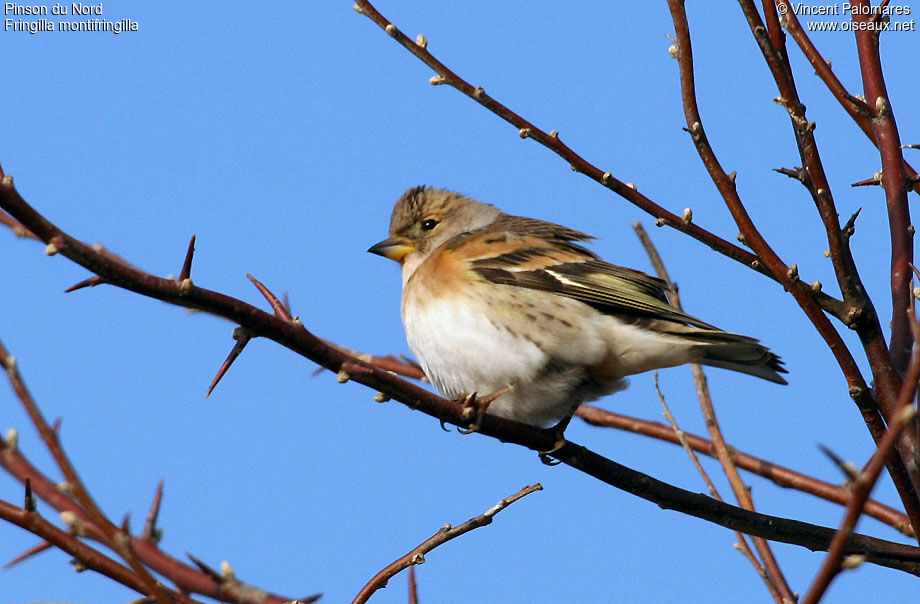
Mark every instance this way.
x=84 y=523
x=444 y=534
x=877 y=120
x=784 y=273
x=866 y=479
x=551 y=141
x=770 y=571
x=810 y=298
x=293 y=335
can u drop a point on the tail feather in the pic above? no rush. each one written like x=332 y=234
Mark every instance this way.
x=736 y=353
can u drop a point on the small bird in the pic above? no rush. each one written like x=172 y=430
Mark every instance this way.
x=492 y=302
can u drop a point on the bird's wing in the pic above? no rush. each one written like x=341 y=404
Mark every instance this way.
x=540 y=255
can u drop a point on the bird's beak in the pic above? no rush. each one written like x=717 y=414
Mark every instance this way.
x=395 y=248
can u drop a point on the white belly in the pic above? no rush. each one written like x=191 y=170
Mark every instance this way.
x=473 y=347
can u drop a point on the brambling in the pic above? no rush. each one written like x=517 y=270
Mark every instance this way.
x=495 y=302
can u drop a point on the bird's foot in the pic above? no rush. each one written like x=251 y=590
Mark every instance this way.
x=547 y=457
x=474 y=408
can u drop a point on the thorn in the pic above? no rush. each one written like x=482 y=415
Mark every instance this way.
x=126 y=524
x=875 y=180
x=186 y=271
x=797 y=173
x=242 y=338
x=850 y=227
x=91 y=282
x=56 y=426
x=29 y=505
x=277 y=306
x=210 y=572
x=150 y=526
x=848 y=469
x=35 y=549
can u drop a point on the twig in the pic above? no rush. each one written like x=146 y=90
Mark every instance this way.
x=779 y=475
x=115 y=538
x=773 y=575
x=875 y=347
x=866 y=479
x=743 y=545
x=144 y=546
x=862 y=488
x=894 y=181
x=856 y=108
x=301 y=341
x=552 y=141
x=445 y=534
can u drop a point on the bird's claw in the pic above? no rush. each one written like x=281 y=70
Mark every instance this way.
x=559 y=432
x=473 y=407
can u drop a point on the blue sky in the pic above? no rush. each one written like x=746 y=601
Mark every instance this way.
x=281 y=135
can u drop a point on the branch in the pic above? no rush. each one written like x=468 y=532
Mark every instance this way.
x=776 y=582
x=766 y=574
x=551 y=141
x=293 y=335
x=778 y=475
x=787 y=275
x=144 y=548
x=865 y=482
x=894 y=180
x=444 y=534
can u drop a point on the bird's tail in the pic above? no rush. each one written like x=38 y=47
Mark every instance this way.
x=736 y=352
x=744 y=355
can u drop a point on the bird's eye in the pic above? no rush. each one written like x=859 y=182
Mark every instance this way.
x=429 y=224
